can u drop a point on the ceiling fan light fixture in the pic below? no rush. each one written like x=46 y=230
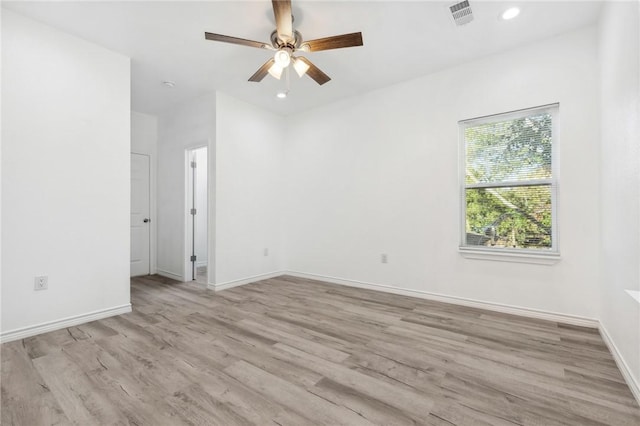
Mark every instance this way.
x=283 y=57
x=281 y=95
x=300 y=66
x=285 y=41
x=276 y=71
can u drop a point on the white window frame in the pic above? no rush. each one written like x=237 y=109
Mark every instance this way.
x=536 y=256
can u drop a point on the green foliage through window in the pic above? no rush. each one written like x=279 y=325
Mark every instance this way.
x=508 y=182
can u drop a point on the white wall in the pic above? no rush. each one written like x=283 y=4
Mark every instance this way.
x=378 y=173
x=144 y=140
x=144 y=133
x=188 y=125
x=1 y=299
x=65 y=176
x=620 y=162
x=248 y=191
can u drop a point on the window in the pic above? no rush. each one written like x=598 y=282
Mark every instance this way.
x=508 y=182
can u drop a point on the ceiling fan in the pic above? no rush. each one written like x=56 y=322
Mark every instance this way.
x=285 y=41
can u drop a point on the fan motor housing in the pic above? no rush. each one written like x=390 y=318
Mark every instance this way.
x=278 y=44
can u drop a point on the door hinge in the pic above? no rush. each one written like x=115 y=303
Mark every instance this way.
x=193 y=211
x=193 y=258
x=193 y=165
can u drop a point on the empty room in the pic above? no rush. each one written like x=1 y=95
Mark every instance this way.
x=320 y=212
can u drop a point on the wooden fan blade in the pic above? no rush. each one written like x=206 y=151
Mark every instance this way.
x=262 y=71
x=315 y=72
x=284 y=21
x=236 y=40
x=335 y=42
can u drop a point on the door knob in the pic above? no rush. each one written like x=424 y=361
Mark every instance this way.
x=146 y=220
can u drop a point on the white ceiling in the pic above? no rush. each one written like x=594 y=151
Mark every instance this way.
x=402 y=40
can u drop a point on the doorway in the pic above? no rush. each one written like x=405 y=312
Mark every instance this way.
x=197 y=213
x=140 y=253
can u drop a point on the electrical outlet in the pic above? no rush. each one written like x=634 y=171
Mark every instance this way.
x=266 y=252
x=383 y=258
x=41 y=283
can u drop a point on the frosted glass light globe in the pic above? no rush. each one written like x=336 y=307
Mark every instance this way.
x=282 y=57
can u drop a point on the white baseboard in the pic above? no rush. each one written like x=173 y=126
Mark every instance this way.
x=171 y=275
x=633 y=384
x=46 y=327
x=243 y=281
x=490 y=306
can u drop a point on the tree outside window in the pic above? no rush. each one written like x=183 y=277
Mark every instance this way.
x=509 y=187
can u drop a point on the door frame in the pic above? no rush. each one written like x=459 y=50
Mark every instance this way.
x=188 y=224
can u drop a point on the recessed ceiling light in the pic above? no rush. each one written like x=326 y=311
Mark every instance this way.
x=510 y=13
x=282 y=95
x=169 y=84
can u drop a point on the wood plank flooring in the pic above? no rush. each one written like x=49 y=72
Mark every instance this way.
x=288 y=351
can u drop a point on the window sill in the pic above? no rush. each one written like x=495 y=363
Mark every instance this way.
x=510 y=256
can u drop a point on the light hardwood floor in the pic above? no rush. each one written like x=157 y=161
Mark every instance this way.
x=288 y=351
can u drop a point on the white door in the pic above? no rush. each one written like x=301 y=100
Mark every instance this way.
x=140 y=220
x=197 y=199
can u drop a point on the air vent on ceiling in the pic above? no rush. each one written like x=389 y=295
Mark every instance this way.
x=461 y=13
